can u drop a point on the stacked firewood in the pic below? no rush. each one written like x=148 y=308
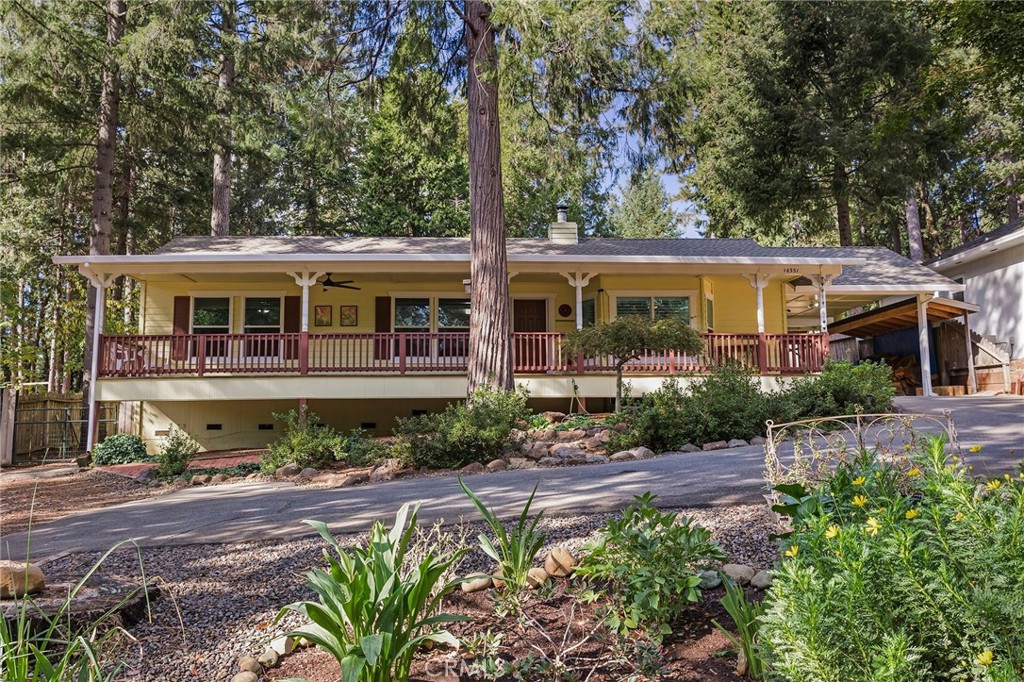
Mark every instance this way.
x=906 y=373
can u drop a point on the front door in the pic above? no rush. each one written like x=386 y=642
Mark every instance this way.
x=531 y=350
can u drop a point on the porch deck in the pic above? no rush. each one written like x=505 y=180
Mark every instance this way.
x=200 y=355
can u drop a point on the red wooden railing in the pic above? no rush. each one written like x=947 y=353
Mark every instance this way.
x=411 y=353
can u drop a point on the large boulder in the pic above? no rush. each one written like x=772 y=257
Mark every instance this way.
x=622 y=456
x=386 y=470
x=689 y=447
x=18 y=578
x=474 y=468
x=738 y=572
x=738 y=443
x=715 y=445
x=643 y=453
x=289 y=470
x=497 y=465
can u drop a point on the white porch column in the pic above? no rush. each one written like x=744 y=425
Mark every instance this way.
x=759 y=282
x=924 y=345
x=101 y=283
x=579 y=281
x=823 y=281
x=972 y=378
x=305 y=279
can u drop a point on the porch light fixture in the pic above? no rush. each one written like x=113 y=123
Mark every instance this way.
x=468 y=285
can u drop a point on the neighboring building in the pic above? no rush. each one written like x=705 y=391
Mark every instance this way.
x=235 y=329
x=991 y=269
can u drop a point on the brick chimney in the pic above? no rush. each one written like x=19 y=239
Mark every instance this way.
x=562 y=231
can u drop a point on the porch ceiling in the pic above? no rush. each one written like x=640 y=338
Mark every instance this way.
x=898 y=316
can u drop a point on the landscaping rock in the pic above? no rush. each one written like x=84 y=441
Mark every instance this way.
x=564 y=450
x=551 y=462
x=597 y=459
x=18 y=579
x=536 y=451
x=669 y=453
x=478 y=582
x=283 y=645
x=715 y=445
x=309 y=473
x=553 y=417
x=738 y=572
x=643 y=453
x=497 y=581
x=200 y=479
x=218 y=478
x=354 y=479
x=536 y=577
x=689 y=447
x=541 y=434
x=288 y=470
x=386 y=470
x=709 y=580
x=571 y=435
x=497 y=465
x=250 y=664
x=622 y=456
x=474 y=468
x=559 y=562
x=269 y=658
x=521 y=463
x=245 y=676
x=757 y=440
x=621 y=427
x=761 y=580
x=738 y=443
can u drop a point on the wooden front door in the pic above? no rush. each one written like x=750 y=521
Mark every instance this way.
x=531 y=351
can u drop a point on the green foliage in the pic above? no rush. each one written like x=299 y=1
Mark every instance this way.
x=647 y=564
x=238 y=471
x=514 y=548
x=907 y=571
x=478 y=430
x=120 y=448
x=40 y=645
x=305 y=442
x=627 y=337
x=176 y=452
x=746 y=615
x=644 y=211
x=841 y=388
x=376 y=608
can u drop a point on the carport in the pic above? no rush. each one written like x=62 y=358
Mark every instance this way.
x=920 y=312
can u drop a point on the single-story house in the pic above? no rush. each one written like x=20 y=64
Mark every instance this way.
x=362 y=330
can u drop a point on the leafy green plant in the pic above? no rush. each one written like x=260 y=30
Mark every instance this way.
x=907 y=571
x=841 y=388
x=359 y=448
x=177 y=451
x=647 y=563
x=305 y=442
x=479 y=430
x=45 y=646
x=237 y=471
x=514 y=548
x=375 y=607
x=119 y=448
x=745 y=614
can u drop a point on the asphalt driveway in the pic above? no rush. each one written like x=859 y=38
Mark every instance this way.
x=265 y=511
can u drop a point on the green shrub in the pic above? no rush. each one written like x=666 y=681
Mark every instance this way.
x=305 y=442
x=376 y=607
x=359 y=448
x=120 y=448
x=176 y=452
x=647 y=563
x=479 y=430
x=514 y=548
x=841 y=388
x=911 y=572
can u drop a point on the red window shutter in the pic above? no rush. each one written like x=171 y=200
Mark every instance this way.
x=382 y=325
x=292 y=324
x=182 y=313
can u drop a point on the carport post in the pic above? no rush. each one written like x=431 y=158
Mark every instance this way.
x=101 y=283
x=972 y=378
x=924 y=345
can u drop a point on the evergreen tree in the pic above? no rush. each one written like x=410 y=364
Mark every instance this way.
x=644 y=211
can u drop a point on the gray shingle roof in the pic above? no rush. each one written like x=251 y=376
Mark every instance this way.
x=883 y=267
x=1002 y=231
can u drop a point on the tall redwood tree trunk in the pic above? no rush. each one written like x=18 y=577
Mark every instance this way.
x=841 y=194
x=490 y=334
x=914 y=238
x=219 y=215
x=103 y=192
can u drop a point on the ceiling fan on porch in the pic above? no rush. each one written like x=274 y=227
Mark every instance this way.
x=329 y=283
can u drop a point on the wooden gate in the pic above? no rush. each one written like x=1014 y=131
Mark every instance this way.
x=51 y=426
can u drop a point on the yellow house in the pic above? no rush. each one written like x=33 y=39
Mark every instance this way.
x=235 y=329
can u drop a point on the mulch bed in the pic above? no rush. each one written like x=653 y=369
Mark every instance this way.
x=561 y=629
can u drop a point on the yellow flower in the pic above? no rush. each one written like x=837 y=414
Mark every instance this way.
x=860 y=500
x=872 y=526
x=974 y=448
x=912 y=514
x=955 y=458
x=878 y=474
x=970 y=467
x=793 y=551
x=985 y=657
x=832 y=531
x=914 y=472
x=859 y=480
x=959 y=516
x=1007 y=477
x=994 y=484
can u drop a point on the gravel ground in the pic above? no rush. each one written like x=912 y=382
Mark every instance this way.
x=218 y=601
